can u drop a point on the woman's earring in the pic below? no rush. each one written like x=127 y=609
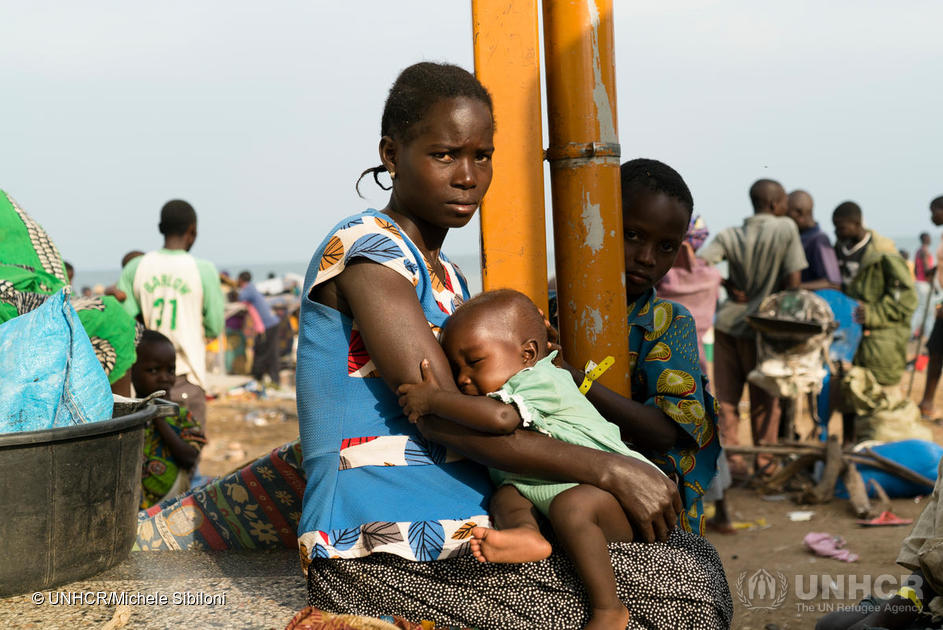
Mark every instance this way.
x=392 y=174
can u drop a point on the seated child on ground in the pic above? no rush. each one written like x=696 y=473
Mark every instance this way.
x=171 y=445
x=497 y=346
x=670 y=417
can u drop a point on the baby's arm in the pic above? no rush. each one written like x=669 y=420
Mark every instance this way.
x=476 y=412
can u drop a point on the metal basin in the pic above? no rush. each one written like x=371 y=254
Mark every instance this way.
x=69 y=499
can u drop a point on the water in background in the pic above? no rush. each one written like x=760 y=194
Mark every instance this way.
x=469 y=263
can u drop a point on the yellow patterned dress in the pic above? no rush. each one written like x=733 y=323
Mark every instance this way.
x=665 y=373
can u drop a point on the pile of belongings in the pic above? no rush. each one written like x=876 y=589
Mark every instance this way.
x=794 y=330
x=881 y=413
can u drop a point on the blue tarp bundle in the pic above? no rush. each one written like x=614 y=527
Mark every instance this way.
x=50 y=375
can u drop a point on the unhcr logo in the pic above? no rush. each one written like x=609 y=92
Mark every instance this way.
x=762 y=590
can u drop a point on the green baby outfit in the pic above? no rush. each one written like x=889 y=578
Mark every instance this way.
x=551 y=403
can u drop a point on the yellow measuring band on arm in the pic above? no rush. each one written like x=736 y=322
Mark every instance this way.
x=592 y=371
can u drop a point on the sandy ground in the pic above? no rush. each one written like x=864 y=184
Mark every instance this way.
x=242 y=429
x=773 y=578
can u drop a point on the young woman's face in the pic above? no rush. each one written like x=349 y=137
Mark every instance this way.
x=653 y=227
x=443 y=172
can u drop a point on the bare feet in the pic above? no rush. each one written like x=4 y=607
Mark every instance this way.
x=609 y=618
x=518 y=544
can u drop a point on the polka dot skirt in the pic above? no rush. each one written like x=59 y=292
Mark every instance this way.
x=677 y=584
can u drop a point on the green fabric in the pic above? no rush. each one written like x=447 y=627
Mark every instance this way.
x=882 y=413
x=31 y=269
x=33 y=252
x=551 y=403
x=213 y=304
x=25 y=282
x=886 y=288
x=111 y=331
x=126 y=284
x=160 y=469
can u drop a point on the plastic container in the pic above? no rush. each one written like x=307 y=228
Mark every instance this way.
x=69 y=499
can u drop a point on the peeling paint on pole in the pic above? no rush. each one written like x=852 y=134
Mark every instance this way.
x=592 y=223
x=607 y=125
x=591 y=322
x=584 y=168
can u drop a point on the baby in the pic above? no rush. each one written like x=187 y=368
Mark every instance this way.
x=496 y=344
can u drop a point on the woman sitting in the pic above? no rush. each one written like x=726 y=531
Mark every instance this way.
x=389 y=506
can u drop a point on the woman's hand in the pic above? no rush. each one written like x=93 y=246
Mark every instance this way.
x=649 y=498
x=416 y=399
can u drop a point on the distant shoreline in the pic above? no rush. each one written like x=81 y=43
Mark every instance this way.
x=470 y=264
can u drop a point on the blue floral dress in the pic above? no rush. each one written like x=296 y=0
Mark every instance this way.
x=374 y=483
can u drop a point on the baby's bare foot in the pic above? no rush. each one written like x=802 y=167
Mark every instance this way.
x=609 y=619
x=518 y=544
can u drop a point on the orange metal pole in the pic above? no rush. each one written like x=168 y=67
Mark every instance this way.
x=584 y=171
x=513 y=229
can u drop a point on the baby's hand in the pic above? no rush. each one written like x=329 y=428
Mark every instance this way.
x=416 y=399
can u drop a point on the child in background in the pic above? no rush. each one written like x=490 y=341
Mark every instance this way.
x=113 y=289
x=497 y=346
x=171 y=445
x=670 y=418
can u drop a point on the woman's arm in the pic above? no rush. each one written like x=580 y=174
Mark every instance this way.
x=398 y=338
x=649 y=498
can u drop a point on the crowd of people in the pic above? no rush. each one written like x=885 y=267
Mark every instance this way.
x=457 y=467
x=149 y=331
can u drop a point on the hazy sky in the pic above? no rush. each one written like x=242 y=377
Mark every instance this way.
x=263 y=114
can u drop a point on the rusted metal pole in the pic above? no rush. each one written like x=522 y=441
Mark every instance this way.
x=584 y=174
x=513 y=228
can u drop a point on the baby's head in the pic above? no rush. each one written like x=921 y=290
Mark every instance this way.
x=656 y=212
x=492 y=337
x=156 y=365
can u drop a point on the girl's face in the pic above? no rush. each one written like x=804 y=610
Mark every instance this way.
x=653 y=227
x=443 y=172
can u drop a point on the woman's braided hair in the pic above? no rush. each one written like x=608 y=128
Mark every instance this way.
x=416 y=89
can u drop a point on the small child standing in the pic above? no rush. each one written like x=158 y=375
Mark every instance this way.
x=171 y=445
x=497 y=346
